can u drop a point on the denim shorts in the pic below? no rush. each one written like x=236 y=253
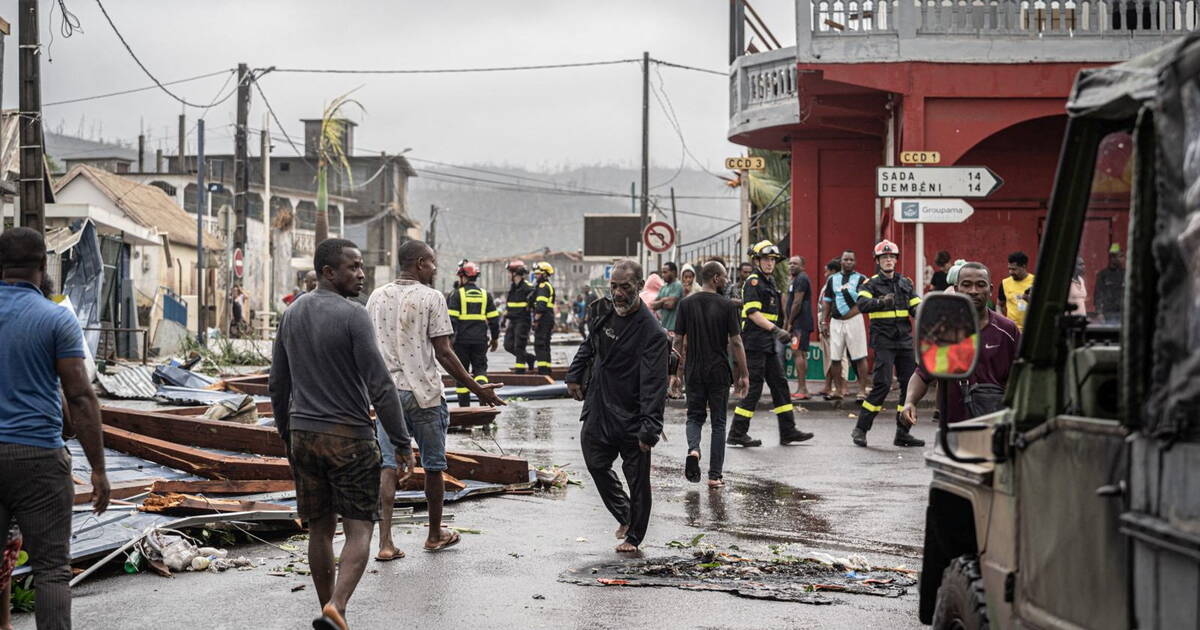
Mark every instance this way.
x=427 y=426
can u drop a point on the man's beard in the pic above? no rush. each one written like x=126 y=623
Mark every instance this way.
x=624 y=310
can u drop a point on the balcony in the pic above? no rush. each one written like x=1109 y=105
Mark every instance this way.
x=763 y=92
x=987 y=31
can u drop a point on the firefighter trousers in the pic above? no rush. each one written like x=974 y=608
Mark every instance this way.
x=473 y=356
x=541 y=342
x=764 y=367
x=887 y=360
x=516 y=337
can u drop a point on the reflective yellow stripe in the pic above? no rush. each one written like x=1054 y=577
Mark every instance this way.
x=866 y=294
x=520 y=365
x=749 y=305
x=771 y=317
x=493 y=314
x=453 y=313
x=543 y=364
x=474 y=297
x=941 y=362
x=544 y=298
x=888 y=314
x=745 y=413
x=518 y=304
x=869 y=407
x=899 y=407
x=913 y=302
x=461 y=390
x=783 y=408
x=482 y=378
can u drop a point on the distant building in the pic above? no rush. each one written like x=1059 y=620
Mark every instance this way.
x=571 y=272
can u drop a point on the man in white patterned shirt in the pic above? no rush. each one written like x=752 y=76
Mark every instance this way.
x=413 y=329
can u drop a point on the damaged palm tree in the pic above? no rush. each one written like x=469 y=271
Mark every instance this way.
x=331 y=153
x=771 y=202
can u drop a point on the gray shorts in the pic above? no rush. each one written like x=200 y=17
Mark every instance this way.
x=428 y=427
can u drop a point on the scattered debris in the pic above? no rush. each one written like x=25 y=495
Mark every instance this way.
x=781 y=578
x=539 y=596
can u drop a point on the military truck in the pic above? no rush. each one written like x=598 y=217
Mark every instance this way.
x=1078 y=504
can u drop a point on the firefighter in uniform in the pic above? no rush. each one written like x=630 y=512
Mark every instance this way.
x=516 y=335
x=543 y=315
x=475 y=318
x=888 y=299
x=764 y=339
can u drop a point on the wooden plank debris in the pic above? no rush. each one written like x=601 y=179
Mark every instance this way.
x=117 y=490
x=195 y=431
x=186 y=504
x=483 y=466
x=417 y=481
x=194 y=460
x=223 y=486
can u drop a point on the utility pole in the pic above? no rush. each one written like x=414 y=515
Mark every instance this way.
x=33 y=165
x=141 y=153
x=675 y=224
x=241 y=166
x=645 y=152
x=744 y=187
x=265 y=155
x=181 y=166
x=431 y=233
x=201 y=202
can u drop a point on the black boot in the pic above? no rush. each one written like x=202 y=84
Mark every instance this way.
x=789 y=434
x=739 y=434
x=904 y=438
x=859 y=437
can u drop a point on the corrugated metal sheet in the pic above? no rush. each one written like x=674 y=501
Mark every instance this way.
x=129 y=383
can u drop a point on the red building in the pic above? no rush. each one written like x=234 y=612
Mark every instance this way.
x=982 y=83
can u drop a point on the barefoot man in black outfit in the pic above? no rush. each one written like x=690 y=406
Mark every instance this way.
x=620 y=372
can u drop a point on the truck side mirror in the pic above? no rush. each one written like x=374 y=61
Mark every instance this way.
x=947 y=340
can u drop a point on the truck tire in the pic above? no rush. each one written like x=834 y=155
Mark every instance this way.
x=961 y=604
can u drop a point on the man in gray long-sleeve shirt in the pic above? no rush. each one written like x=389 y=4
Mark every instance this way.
x=326 y=372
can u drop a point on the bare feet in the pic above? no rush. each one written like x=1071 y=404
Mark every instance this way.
x=388 y=553
x=626 y=547
x=621 y=531
x=713 y=484
x=333 y=614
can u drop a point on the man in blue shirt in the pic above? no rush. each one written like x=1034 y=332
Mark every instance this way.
x=842 y=324
x=41 y=348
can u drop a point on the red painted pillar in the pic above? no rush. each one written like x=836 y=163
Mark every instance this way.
x=912 y=138
x=806 y=224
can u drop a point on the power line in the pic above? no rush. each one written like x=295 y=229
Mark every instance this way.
x=550 y=66
x=136 y=90
x=279 y=124
x=683 y=67
x=141 y=65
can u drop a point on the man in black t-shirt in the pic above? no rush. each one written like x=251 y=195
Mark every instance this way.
x=707 y=333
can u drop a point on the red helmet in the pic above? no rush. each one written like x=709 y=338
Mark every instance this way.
x=468 y=269
x=517 y=266
x=886 y=247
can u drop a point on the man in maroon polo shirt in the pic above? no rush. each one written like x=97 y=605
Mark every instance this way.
x=999 y=340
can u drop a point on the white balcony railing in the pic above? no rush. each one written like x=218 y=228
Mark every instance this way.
x=834 y=18
x=764 y=79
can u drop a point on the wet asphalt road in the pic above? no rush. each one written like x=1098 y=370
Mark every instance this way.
x=825 y=495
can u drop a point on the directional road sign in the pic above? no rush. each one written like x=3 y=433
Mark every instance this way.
x=935 y=181
x=931 y=210
x=659 y=237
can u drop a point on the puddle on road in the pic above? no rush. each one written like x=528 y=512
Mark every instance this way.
x=761 y=508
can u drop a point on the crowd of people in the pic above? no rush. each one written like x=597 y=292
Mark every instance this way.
x=702 y=335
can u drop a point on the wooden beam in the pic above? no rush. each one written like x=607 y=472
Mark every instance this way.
x=117 y=490
x=223 y=486
x=193 y=431
x=173 y=503
x=194 y=460
x=417 y=481
x=482 y=466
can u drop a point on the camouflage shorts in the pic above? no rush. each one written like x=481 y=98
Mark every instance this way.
x=335 y=474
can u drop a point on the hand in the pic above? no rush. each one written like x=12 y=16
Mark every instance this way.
x=782 y=335
x=676 y=386
x=741 y=386
x=100 y=491
x=409 y=464
x=487 y=395
x=889 y=299
x=495 y=344
x=825 y=332
x=909 y=414
x=575 y=390
x=644 y=446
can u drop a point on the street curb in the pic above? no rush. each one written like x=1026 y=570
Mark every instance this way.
x=846 y=404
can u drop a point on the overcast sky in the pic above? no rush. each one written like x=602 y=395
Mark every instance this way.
x=536 y=119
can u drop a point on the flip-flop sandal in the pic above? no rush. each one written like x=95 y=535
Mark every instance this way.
x=691 y=468
x=833 y=397
x=325 y=623
x=798 y=396
x=453 y=540
x=399 y=555
x=718 y=484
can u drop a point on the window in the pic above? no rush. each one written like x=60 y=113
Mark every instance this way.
x=1098 y=288
x=169 y=189
x=284 y=167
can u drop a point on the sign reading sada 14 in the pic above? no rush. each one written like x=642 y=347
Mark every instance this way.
x=931 y=210
x=935 y=181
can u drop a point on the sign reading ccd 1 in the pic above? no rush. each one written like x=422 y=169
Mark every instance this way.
x=746 y=163
x=920 y=157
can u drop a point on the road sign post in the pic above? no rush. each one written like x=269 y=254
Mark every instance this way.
x=935 y=181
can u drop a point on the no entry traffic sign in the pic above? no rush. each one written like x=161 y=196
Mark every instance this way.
x=239 y=263
x=658 y=237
